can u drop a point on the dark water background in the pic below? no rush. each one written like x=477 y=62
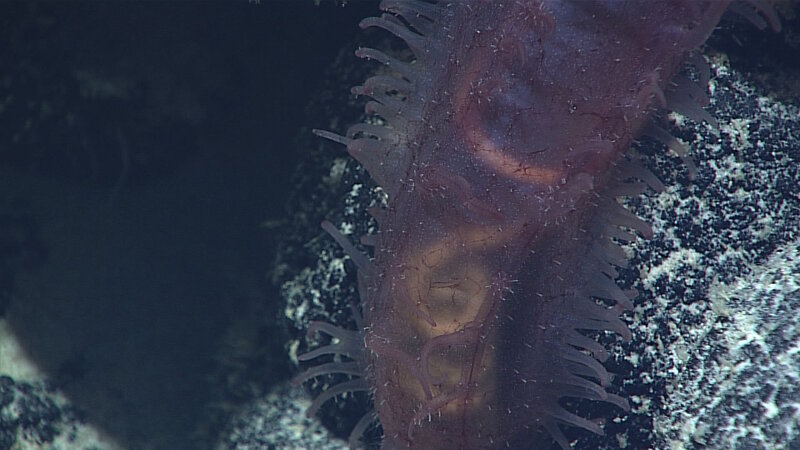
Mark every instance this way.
x=146 y=150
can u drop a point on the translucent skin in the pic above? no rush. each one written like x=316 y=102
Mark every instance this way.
x=498 y=165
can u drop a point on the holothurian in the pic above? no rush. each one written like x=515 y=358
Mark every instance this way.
x=502 y=144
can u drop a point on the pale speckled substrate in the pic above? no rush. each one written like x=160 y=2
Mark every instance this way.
x=35 y=416
x=741 y=390
x=278 y=421
x=716 y=338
